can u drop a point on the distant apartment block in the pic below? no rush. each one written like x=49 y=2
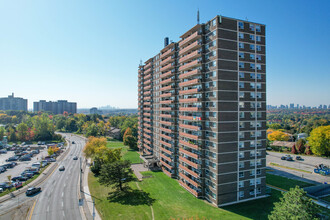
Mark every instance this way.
x=13 y=103
x=55 y=107
x=202 y=110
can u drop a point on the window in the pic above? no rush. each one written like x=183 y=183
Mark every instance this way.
x=252 y=182
x=251 y=46
x=241 y=85
x=214 y=22
x=258 y=76
x=241 y=174
x=252 y=153
x=252 y=85
x=258 y=104
x=258 y=133
x=258 y=38
x=251 y=27
x=252 y=192
x=258 y=29
x=241 y=104
x=252 y=57
x=241 y=65
x=252 y=105
x=252 y=76
x=241 y=35
x=258 y=162
x=258 y=57
x=241 y=25
x=241 y=134
x=241 y=94
x=258 y=190
x=252 y=114
x=241 y=164
x=258 y=48
x=252 y=163
x=258 y=67
x=259 y=96
x=241 y=75
x=251 y=37
x=241 y=115
x=258 y=85
x=241 y=55
x=258 y=181
x=241 y=45
x=252 y=95
x=241 y=184
x=252 y=143
x=241 y=144
x=258 y=171
x=252 y=66
x=252 y=172
x=241 y=194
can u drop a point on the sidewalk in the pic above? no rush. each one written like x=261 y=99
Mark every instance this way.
x=88 y=201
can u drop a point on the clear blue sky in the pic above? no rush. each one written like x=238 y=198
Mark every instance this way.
x=88 y=51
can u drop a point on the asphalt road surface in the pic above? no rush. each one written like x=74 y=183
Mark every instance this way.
x=58 y=199
x=59 y=196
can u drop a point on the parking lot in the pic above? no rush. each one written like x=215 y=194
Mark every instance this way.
x=21 y=165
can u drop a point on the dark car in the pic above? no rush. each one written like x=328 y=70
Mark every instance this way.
x=6 y=185
x=8 y=165
x=27 y=174
x=62 y=168
x=32 y=191
x=16 y=178
x=289 y=159
x=73 y=142
x=283 y=158
x=25 y=158
x=298 y=158
x=23 y=178
x=18 y=185
x=14 y=158
x=75 y=158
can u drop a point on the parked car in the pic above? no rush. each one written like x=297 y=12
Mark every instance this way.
x=25 y=158
x=23 y=178
x=283 y=158
x=32 y=191
x=18 y=185
x=16 y=178
x=14 y=158
x=8 y=165
x=1 y=190
x=75 y=158
x=62 y=168
x=6 y=185
x=2 y=169
x=3 y=151
x=299 y=158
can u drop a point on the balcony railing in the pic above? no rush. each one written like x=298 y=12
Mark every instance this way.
x=166 y=165
x=165 y=116
x=189 y=180
x=147 y=66
x=167 y=60
x=188 y=170
x=167 y=53
x=192 y=55
x=169 y=123
x=166 y=88
x=189 y=38
x=166 y=81
x=189 y=91
x=167 y=67
x=193 y=146
x=189 y=189
x=163 y=149
x=166 y=158
x=189 y=83
x=190 y=74
x=166 y=130
x=191 y=100
x=192 y=46
x=166 y=102
x=190 y=127
x=190 y=65
x=166 y=74
x=189 y=153
x=190 y=109
x=165 y=95
x=191 y=136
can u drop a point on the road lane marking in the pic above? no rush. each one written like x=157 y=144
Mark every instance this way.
x=34 y=204
x=62 y=194
x=48 y=208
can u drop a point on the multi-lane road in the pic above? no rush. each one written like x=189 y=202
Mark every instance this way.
x=60 y=191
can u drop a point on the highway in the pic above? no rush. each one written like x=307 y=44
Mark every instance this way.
x=59 y=196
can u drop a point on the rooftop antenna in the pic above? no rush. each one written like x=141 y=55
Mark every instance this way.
x=197 y=16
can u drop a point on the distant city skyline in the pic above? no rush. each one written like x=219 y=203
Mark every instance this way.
x=90 y=53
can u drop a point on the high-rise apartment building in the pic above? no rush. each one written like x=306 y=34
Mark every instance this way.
x=55 y=107
x=202 y=110
x=13 y=103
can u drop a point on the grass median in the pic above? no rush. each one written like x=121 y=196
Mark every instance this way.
x=290 y=168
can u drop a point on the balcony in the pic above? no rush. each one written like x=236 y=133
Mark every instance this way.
x=166 y=88
x=166 y=172
x=167 y=53
x=165 y=115
x=166 y=109
x=163 y=149
x=191 y=56
x=147 y=103
x=190 y=38
x=191 y=136
x=190 y=82
x=166 y=137
x=168 y=123
x=191 y=100
x=147 y=82
x=146 y=146
x=147 y=87
x=166 y=165
x=165 y=129
x=167 y=60
x=166 y=158
x=166 y=81
x=190 y=127
x=189 y=109
x=167 y=67
x=147 y=92
x=147 y=114
x=190 y=74
x=193 y=146
x=192 y=46
x=189 y=180
x=147 y=109
x=190 y=91
x=197 y=194
x=146 y=125
x=190 y=65
x=188 y=170
x=166 y=101
x=148 y=76
x=167 y=74
x=165 y=95
x=148 y=71
x=189 y=153
x=147 y=66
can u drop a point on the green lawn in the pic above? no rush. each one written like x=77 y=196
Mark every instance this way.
x=127 y=153
x=284 y=183
x=124 y=208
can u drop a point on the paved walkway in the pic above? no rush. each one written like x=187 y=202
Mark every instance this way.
x=137 y=169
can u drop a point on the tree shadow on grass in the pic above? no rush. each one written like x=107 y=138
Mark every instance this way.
x=131 y=197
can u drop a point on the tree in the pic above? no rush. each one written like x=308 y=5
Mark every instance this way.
x=23 y=132
x=2 y=132
x=12 y=134
x=116 y=174
x=127 y=133
x=293 y=149
x=319 y=140
x=95 y=147
x=278 y=136
x=131 y=141
x=301 y=146
x=294 y=205
x=9 y=178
